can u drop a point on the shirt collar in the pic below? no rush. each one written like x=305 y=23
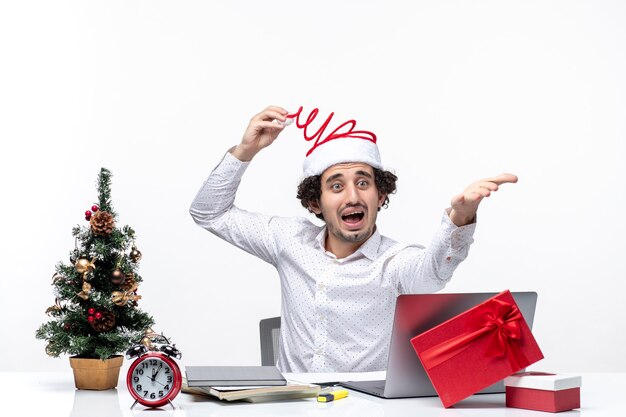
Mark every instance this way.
x=369 y=249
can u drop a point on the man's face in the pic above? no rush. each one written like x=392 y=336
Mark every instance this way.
x=349 y=203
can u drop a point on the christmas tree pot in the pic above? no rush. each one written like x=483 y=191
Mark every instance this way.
x=96 y=374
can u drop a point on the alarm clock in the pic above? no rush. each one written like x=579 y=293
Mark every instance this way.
x=154 y=379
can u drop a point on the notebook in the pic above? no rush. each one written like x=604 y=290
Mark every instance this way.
x=416 y=313
x=233 y=376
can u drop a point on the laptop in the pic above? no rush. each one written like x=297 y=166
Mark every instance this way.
x=416 y=313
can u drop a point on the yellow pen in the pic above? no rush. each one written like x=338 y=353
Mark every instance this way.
x=335 y=395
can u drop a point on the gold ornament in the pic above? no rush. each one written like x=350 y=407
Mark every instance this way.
x=121 y=298
x=135 y=255
x=56 y=307
x=49 y=350
x=150 y=333
x=85 y=265
x=117 y=276
x=147 y=342
x=84 y=294
x=57 y=277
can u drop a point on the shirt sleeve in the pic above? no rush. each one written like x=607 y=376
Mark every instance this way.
x=426 y=270
x=213 y=209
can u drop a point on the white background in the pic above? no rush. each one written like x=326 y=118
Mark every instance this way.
x=455 y=90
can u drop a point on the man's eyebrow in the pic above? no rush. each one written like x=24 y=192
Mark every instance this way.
x=334 y=177
x=339 y=175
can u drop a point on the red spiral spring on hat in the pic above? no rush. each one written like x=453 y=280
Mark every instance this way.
x=335 y=134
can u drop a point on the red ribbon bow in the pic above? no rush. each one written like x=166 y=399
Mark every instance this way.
x=495 y=318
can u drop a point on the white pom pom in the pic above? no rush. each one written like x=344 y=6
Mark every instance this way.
x=286 y=123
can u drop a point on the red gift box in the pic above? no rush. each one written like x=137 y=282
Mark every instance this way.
x=477 y=348
x=542 y=391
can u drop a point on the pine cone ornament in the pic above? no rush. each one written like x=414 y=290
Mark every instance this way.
x=130 y=282
x=103 y=323
x=102 y=223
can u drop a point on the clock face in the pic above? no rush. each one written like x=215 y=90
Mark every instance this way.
x=154 y=379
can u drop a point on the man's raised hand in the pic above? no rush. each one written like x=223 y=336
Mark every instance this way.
x=465 y=205
x=261 y=132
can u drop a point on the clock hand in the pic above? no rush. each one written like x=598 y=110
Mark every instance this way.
x=157 y=371
x=160 y=383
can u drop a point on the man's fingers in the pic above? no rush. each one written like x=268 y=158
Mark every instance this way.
x=491 y=186
x=476 y=196
x=502 y=179
x=269 y=115
x=268 y=125
x=278 y=109
x=274 y=110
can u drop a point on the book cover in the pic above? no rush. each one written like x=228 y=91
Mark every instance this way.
x=215 y=376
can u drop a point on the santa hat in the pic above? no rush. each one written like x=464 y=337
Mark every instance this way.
x=340 y=146
x=341 y=150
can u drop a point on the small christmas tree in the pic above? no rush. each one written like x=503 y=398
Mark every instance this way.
x=95 y=314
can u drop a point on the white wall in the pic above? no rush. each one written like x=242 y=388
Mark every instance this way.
x=455 y=90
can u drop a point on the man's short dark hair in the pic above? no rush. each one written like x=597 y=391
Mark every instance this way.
x=310 y=189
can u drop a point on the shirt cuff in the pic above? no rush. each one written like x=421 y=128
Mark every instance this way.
x=459 y=236
x=230 y=167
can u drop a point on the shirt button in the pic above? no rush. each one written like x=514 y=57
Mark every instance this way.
x=320 y=286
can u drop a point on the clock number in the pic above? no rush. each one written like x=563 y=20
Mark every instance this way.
x=152 y=396
x=167 y=387
x=169 y=378
x=167 y=370
x=160 y=394
x=153 y=362
x=139 y=371
x=138 y=387
x=145 y=393
x=136 y=379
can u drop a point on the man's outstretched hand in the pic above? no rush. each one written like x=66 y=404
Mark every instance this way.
x=465 y=205
x=261 y=132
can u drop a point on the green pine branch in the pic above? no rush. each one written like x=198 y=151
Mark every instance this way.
x=104 y=191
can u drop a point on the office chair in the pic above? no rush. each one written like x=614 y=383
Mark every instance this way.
x=269 y=330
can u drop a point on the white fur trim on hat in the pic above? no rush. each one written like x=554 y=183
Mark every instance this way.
x=338 y=151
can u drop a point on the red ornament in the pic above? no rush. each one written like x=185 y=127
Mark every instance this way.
x=88 y=213
x=95 y=208
x=98 y=315
x=90 y=319
x=91 y=311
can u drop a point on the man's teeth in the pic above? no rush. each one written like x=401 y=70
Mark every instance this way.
x=355 y=215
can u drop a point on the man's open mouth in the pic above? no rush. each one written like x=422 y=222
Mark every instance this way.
x=353 y=217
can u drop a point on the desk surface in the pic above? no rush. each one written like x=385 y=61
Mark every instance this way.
x=53 y=394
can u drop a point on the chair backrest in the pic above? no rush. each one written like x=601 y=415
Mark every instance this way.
x=269 y=330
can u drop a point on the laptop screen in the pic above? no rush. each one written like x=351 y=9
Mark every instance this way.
x=416 y=313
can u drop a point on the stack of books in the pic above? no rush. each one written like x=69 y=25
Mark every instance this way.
x=245 y=383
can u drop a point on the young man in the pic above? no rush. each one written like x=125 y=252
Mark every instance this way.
x=339 y=282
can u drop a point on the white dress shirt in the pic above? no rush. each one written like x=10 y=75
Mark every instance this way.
x=336 y=314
